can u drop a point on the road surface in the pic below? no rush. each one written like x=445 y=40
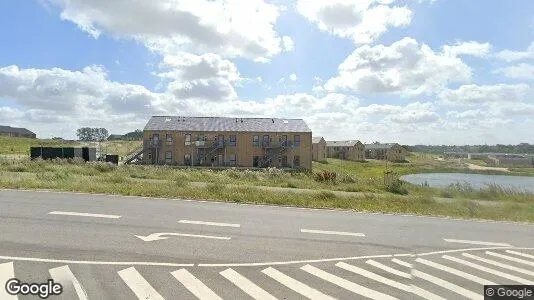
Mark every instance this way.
x=115 y=247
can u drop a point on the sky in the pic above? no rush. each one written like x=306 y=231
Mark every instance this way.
x=409 y=71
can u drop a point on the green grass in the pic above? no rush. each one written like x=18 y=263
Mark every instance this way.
x=163 y=181
x=365 y=178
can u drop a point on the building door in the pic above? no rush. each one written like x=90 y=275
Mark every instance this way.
x=220 y=161
x=266 y=140
x=255 y=161
x=284 y=161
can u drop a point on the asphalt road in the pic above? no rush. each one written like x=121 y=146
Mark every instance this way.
x=114 y=247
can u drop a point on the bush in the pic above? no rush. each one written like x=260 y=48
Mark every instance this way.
x=325 y=176
x=397 y=187
x=446 y=193
x=290 y=185
x=104 y=167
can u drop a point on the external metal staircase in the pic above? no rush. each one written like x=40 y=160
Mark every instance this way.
x=219 y=144
x=274 y=150
x=135 y=154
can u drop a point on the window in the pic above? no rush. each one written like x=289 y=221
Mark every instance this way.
x=266 y=140
x=255 y=161
x=187 y=159
x=256 y=141
x=296 y=161
x=297 y=140
x=201 y=137
x=155 y=139
x=233 y=141
x=168 y=138
x=233 y=159
x=168 y=157
x=188 y=139
x=283 y=140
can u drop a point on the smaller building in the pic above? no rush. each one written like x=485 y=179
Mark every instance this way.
x=387 y=151
x=511 y=160
x=318 y=149
x=16 y=132
x=349 y=150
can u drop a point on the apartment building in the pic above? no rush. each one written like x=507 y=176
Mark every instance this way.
x=318 y=148
x=227 y=142
x=388 y=151
x=349 y=150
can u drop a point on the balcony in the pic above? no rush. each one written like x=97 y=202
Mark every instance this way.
x=281 y=144
x=213 y=145
x=152 y=143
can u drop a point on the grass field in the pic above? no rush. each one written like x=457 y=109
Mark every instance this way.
x=357 y=185
x=365 y=180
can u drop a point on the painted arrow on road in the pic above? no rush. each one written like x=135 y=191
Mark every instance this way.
x=162 y=236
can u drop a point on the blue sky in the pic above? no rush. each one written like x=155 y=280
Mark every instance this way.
x=414 y=72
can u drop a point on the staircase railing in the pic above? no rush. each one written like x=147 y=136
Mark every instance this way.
x=214 y=147
x=134 y=154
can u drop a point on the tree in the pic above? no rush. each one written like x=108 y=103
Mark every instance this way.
x=89 y=134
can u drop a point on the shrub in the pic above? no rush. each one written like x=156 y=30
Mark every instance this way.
x=215 y=188
x=397 y=187
x=325 y=176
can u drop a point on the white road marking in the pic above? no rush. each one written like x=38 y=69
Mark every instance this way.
x=520 y=254
x=489 y=270
x=467 y=249
x=498 y=264
x=195 y=286
x=7 y=271
x=455 y=271
x=64 y=276
x=246 y=285
x=348 y=285
x=331 y=232
x=141 y=288
x=447 y=285
x=477 y=243
x=404 y=287
x=95 y=262
x=292 y=262
x=209 y=223
x=510 y=258
x=161 y=236
x=71 y=213
x=402 y=263
x=295 y=285
x=388 y=269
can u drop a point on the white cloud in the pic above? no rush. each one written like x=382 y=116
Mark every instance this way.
x=520 y=71
x=207 y=76
x=472 y=48
x=405 y=67
x=362 y=21
x=514 y=55
x=485 y=94
x=230 y=28
x=288 y=43
x=293 y=77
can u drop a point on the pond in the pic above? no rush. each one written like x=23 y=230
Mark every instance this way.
x=441 y=180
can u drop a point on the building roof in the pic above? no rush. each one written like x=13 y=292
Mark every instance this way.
x=350 y=143
x=15 y=129
x=217 y=124
x=380 y=146
x=317 y=139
